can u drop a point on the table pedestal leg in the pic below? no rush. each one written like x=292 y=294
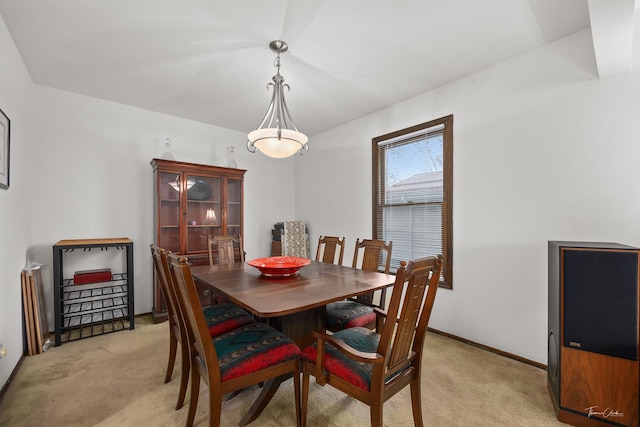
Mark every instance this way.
x=299 y=326
x=265 y=396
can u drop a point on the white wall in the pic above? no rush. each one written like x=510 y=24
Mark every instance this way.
x=80 y=169
x=543 y=150
x=16 y=230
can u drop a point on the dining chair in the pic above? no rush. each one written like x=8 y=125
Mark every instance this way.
x=328 y=246
x=249 y=355
x=358 y=311
x=373 y=366
x=228 y=248
x=175 y=336
x=220 y=319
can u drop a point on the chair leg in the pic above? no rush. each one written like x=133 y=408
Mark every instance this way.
x=376 y=413
x=305 y=394
x=215 y=409
x=195 y=391
x=184 y=376
x=296 y=387
x=416 y=403
x=173 y=344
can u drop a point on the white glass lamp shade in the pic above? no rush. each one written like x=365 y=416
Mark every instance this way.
x=210 y=217
x=267 y=141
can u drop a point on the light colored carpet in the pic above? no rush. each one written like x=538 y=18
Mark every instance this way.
x=117 y=380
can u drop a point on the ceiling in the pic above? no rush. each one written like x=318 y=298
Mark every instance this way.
x=209 y=61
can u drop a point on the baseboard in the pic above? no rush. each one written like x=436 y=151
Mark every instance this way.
x=490 y=349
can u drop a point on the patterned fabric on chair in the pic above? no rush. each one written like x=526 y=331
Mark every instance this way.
x=373 y=366
x=358 y=311
x=348 y=314
x=251 y=348
x=252 y=354
x=222 y=318
x=335 y=363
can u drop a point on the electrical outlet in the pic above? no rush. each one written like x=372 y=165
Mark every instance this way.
x=3 y=351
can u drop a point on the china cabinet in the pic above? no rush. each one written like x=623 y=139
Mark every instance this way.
x=193 y=202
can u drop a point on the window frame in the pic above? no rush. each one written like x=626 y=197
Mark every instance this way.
x=447 y=196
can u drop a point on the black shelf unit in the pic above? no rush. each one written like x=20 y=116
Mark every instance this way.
x=95 y=308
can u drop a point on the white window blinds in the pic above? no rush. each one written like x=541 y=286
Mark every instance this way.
x=411 y=194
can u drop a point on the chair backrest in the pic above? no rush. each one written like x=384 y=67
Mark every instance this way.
x=162 y=275
x=328 y=246
x=229 y=249
x=373 y=252
x=195 y=322
x=174 y=308
x=401 y=340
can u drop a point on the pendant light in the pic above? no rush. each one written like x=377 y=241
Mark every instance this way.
x=277 y=136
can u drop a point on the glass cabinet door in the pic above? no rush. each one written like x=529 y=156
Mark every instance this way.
x=203 y=214
x=169 y=215
x=234 y=207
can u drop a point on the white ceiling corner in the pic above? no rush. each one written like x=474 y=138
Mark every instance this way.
x=612 y=32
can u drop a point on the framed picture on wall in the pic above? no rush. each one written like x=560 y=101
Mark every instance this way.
x=5 y=136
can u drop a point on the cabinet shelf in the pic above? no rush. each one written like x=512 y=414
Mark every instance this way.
x=99 y=306
x=93 y=308
x=95 y=321
x=87 y=325
x=93 y=294
x=116 y=277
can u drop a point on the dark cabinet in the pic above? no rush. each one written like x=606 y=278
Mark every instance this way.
x=193 y=202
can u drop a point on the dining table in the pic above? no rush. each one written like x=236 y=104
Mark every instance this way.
x=295 y=305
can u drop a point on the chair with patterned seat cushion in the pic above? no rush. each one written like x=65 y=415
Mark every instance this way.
x=220 y=319
x=245 y=356
x=328 y=248
x=373 y=366
x=358 y=311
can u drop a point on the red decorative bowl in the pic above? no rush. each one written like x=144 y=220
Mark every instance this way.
x=279 y=266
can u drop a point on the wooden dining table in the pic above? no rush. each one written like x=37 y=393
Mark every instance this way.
x=294 y=305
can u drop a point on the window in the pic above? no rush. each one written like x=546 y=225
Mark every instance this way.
x=412 y=191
